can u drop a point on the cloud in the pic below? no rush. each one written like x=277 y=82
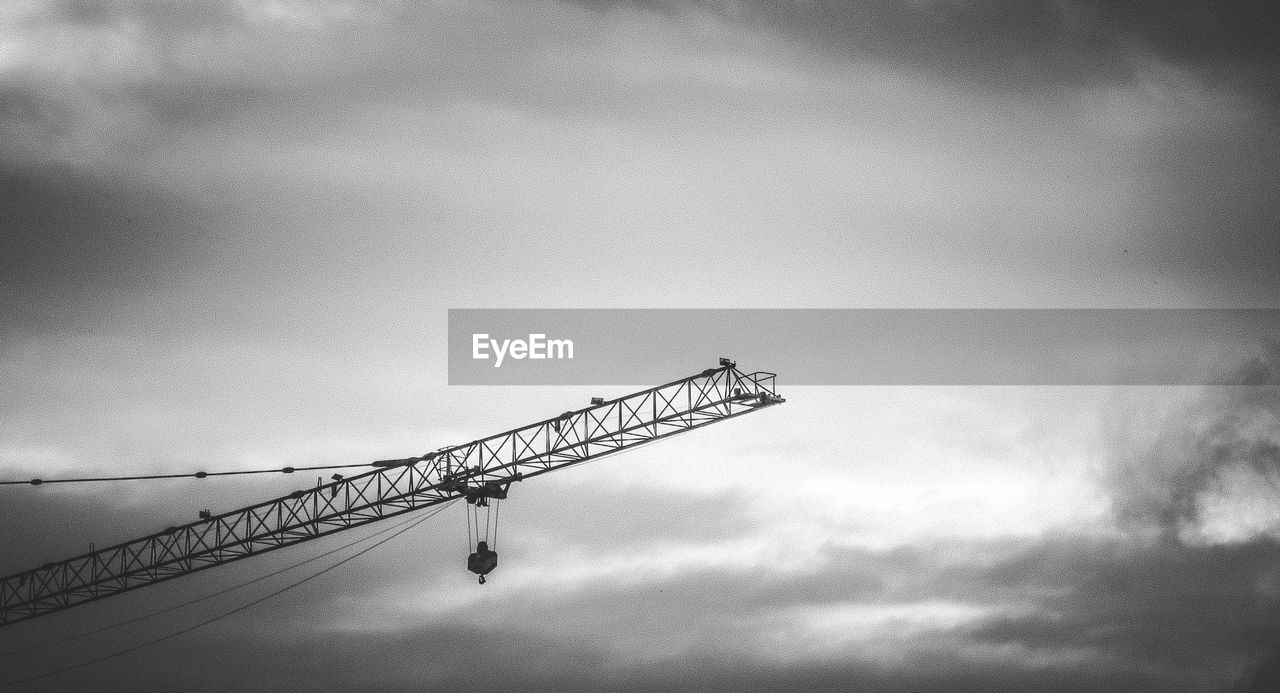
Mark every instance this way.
x=1211 y=215
x=107 y=83
x=1060 y=613
x=1200 y=609
x=77 y=243
x=526 y=127
x=1033 y=47
x=241 y=223
x=1167 y=474
x=1232 y=42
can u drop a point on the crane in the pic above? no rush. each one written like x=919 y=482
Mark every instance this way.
x=479 y=471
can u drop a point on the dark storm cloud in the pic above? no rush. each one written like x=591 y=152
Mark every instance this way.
x=75 y=242
x=474 y=657
x=1213 y=200
x=134 y=74
x=188 y=17
x=1018 y=45
x=1161 y=483
x=119 y=77
x=1170 y=602
x=1027 y=45
x=284 y=646
x=26 y=111
x=1106 y=614
x=1206 y=213
x=219 y=67
x=1235 y=42
x=1164 y=604
x=1090 y=614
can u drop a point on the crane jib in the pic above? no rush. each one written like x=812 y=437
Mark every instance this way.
x=477 y=470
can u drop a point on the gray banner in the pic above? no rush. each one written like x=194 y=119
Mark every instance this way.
x=866 y=347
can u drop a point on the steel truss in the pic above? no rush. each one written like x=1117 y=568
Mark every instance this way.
x=481 y=468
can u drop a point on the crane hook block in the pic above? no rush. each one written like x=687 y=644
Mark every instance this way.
x=482 y=561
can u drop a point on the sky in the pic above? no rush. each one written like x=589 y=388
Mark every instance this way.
x=230 y=232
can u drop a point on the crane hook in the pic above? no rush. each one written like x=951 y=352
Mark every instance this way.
x=482 y=579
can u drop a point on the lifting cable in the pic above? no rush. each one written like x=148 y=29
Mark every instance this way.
x=497 y=505
x=197 y=475
x=466 y=515
x=471 y=515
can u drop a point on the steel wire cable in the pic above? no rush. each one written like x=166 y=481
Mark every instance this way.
x=232 y=612
x=196 y=475
x=206 y=597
